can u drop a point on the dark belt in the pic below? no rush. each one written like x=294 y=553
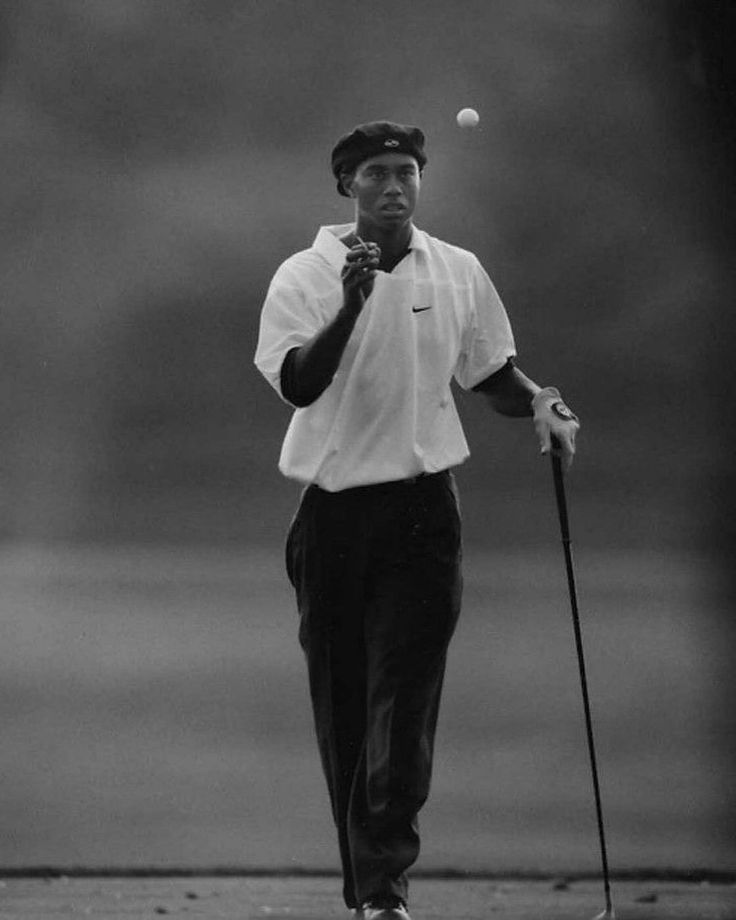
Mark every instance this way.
x=392 y=485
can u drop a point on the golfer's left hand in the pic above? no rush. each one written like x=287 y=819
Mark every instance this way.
x=556 y=425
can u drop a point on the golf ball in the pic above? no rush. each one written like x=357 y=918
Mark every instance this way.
x=467 y=118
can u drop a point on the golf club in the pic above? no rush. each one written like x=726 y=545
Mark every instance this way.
x=608 y=913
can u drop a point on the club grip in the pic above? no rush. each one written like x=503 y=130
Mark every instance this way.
x=559 y=480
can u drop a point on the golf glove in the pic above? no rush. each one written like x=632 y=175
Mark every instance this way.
x=555 y=424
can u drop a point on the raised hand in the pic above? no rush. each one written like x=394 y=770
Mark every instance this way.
x=359 y=272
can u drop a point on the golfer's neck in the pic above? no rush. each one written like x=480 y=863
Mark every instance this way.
x=392 y=240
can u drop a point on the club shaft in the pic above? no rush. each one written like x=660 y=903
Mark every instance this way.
x=567 y=548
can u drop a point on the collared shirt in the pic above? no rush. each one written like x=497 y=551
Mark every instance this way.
x=388 y=413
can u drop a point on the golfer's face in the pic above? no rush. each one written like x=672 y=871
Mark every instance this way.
x=386 y=189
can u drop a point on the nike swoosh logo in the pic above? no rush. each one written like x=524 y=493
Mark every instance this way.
x=420 y=309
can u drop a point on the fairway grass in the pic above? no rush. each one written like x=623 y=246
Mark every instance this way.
x=155 y=712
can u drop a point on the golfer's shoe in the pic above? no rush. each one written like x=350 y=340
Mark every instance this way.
x=384 y=909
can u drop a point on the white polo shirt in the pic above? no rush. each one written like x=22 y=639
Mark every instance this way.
x=388 y=413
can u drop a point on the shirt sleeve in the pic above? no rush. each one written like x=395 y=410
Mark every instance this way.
x=488 y=341
x=288 y=320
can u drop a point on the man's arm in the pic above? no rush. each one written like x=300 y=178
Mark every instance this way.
x=307 y=371
x=510 y=392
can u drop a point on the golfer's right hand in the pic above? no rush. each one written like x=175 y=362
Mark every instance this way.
x=359 y=272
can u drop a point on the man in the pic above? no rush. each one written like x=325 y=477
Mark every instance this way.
x=362 y=333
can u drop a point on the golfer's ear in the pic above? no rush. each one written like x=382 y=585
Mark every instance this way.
x=346 y=180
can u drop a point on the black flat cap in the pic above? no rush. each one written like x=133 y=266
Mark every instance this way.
x=372 y=139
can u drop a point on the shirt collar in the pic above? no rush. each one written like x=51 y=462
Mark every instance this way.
x=329 y=245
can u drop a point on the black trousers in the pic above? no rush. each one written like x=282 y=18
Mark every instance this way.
x=377 y=576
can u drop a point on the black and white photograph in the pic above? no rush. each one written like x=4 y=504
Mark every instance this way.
x=367 y=413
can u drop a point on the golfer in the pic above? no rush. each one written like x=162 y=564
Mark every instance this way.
x=362 y=334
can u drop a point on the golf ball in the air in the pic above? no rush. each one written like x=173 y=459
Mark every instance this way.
x=467 y=118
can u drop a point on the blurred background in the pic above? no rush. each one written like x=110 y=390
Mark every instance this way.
x=158 y=160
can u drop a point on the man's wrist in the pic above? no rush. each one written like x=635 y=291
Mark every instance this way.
x=549 y=398
x=352 y=304
x=545 y=397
